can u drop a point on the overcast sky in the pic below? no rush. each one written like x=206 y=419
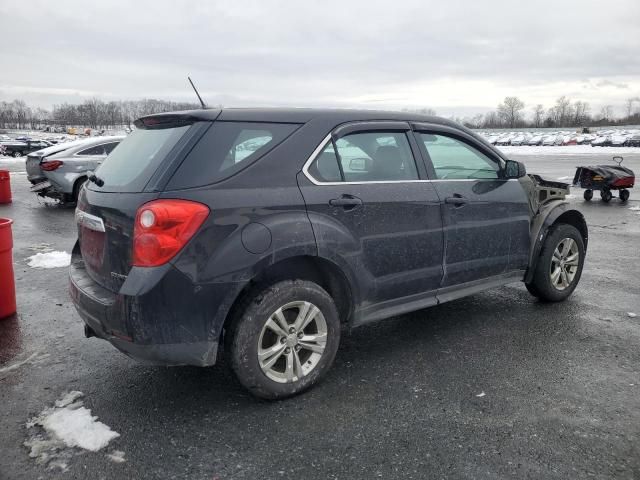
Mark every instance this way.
x=458 y=57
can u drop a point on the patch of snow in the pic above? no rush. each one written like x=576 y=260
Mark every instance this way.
x=78 y=428
x=117 y=456
x=18 y=364
x=65 y=426
x=631 y=315
x=565 y=178
x=635 y=209
x=49 y=260
x=481 y=394
x=68 y=399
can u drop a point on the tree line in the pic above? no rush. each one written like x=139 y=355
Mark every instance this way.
x=564 y=113
x=93 y=113
x=510 y=113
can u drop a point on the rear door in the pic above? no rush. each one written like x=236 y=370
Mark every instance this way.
x=373 y=212
x=486 y=217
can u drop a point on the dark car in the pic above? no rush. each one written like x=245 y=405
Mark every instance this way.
x=258 y=234
x=21 y=148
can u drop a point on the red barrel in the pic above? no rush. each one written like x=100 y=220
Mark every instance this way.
x=7 y=283
x=5 y=187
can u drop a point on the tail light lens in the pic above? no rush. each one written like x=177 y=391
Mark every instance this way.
x=163 y=227
x=51 y=165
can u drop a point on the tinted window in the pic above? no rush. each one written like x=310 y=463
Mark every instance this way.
x=454 y=159
x=130 y=166
x=108 y=147
x=97 y=150
x=225 y=149
x=366 y=157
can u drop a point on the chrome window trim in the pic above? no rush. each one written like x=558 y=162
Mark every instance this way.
x=327 y=139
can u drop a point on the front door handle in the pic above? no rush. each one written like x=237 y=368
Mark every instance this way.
x=347 y=202
x=457 y=200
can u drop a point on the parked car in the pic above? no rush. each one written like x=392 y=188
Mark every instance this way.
x=519 y=139
x=549 y=140
x=189 y=239
x=601 y=141
x=619 y=140
x=634 y=141
x=60 y=170
x=21 y=148
x=535 y=140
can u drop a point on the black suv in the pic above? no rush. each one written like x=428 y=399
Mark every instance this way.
x=262 y=232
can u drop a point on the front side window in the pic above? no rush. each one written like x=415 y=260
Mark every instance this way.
x=454 y=159
x=366 y=157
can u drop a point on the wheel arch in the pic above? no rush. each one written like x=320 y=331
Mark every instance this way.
x=303 y=267
x=556 y=213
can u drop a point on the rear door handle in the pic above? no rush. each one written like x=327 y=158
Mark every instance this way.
x=346 y=201
x=457 y=200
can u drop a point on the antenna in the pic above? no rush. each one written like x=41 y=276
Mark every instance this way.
x=196 y=90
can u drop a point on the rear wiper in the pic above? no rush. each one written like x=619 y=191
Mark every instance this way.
x=97 y=180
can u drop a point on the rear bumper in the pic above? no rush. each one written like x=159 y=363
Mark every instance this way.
x=167 y=321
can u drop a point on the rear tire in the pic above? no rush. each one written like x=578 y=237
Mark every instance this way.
x=624 y=195
x=76 y=188
x=17 y=154
x=273 y=355
x=560 y=264
x=606 y=195
x=588 y=195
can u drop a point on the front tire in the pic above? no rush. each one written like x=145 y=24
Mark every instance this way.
x=283 y=338
x=560 y=264
x=588 y=195
x=17 y=154
x=624 y=195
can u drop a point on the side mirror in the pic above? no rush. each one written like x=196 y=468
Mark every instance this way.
x=514 y=169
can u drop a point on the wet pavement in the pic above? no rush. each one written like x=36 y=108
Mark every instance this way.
x=496 y=385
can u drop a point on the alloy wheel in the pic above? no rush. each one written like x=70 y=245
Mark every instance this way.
x=292 y=342
x=564 y=263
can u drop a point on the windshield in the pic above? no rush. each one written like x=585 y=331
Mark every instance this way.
x=132 y=163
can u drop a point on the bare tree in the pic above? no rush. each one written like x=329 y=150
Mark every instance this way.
x=606 y=112
x=510 y=110
x=538 y=115
x=629 y=105
x=581 y=113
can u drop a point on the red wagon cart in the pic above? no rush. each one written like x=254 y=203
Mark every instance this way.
x=605 y=178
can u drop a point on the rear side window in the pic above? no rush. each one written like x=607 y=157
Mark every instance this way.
x=130 y=166
x=97 y=150
x=108 y=147
x=227 y=148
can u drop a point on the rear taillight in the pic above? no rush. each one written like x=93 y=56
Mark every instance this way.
x=163 y=227
x=51 y=165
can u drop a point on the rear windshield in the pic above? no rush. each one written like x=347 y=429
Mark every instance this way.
x=130 y=166
x=227 y=148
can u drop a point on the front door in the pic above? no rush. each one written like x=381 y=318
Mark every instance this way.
x=374 y=213
x=484 y=214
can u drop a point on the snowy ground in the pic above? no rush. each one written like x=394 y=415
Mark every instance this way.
x=579 y=150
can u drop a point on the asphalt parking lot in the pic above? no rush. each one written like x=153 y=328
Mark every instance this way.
x=496 y=385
